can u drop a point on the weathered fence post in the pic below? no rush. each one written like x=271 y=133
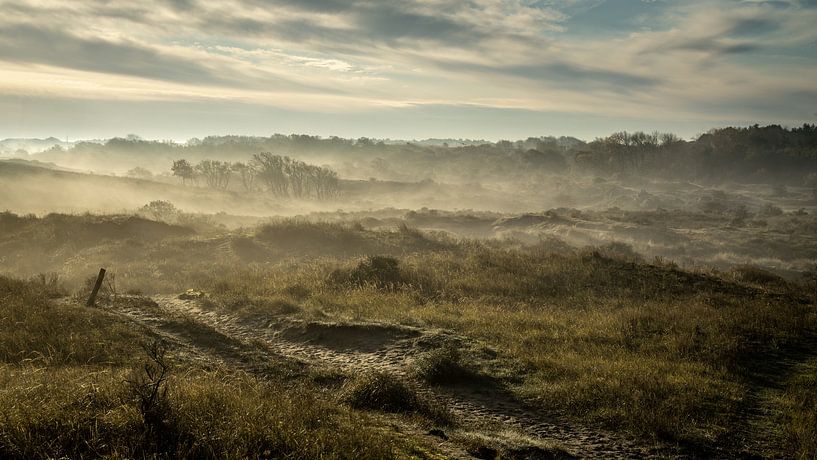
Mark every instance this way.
x=97 y=285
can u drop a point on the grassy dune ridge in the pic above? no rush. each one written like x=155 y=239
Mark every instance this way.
x=596 y=335
x=658 y=350
x=67 y=375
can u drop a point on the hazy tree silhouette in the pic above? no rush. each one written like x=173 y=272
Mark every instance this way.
x=160 y=210
x=182 y=168
x=248 y=174
x=139 y=173
x=215 y=173
x=271 y=172
x=284 y=176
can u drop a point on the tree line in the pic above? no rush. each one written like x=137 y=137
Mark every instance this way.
x=754 y=153
x=751 y=154
x=281 y=176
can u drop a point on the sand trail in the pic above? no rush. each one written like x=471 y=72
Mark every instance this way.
x=216 y=338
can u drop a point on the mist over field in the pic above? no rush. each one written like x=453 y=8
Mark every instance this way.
x=732 y=196
x=486 y=229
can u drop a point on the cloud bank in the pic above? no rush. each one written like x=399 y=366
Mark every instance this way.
x=659 y=62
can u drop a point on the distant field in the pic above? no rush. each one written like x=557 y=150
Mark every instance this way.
x=23 y=189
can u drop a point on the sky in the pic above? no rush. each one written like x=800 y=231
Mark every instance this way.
x=407 y=69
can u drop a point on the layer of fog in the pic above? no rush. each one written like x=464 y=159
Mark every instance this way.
x=540 y=189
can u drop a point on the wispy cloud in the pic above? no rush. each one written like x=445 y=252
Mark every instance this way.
x=712 y=60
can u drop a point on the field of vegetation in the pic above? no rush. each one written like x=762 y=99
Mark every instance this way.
x=360 y=336
x=637 y=296
x=77 y=384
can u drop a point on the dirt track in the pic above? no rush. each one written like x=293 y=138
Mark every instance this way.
x=214 y=338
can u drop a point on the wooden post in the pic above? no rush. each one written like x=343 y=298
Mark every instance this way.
x=97 y=285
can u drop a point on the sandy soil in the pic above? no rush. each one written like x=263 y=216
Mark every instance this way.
x=214 y=339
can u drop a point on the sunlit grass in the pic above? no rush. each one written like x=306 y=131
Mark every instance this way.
x=597 y=334
x=66 y=390
x=659 y=351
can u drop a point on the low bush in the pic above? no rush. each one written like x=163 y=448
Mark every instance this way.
x=380 y=271
x=387 y=274
x=756 y=275
x=380 y=391
x=302 y=236
x=441 y=366
x=385 y=392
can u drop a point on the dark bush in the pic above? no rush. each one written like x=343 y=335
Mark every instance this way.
x=381 y=271
x=385 y=392
x=380 y=391
x=148 y=388
x=302 y=234
x=441 y=366
x=755 y=275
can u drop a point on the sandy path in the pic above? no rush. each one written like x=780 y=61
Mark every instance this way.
x=360 y=347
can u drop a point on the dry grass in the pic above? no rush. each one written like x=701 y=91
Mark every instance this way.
x=596 y=335
x=385 y=392
x=34 y=329
x=64 y=392
x=71 y=412
x=444 y=365
x=659 y=351
x=800 y=412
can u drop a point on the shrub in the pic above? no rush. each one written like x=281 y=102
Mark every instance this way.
x=301 y=235
x=148 y=387
x=770 y=210
x=380 y=391
x=755 y=275
x=385 y=392
x=621 y=251
x=441 y=366
x=381 y=271
x=160 y=210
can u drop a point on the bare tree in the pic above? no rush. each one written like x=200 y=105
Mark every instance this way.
x=248 y=174
x=271 y=170
x=285 y=176
x=216 y=173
